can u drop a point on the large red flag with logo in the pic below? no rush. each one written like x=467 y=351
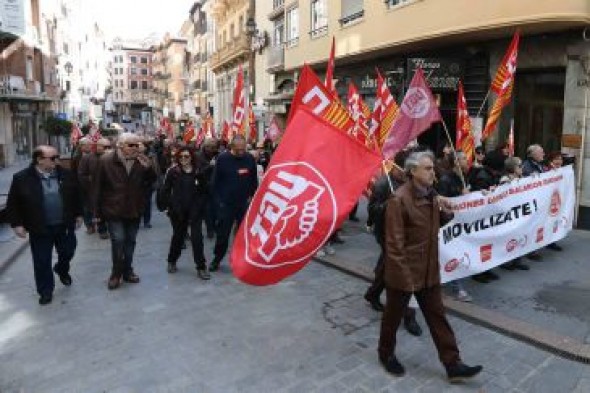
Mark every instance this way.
x=312 y=94
x=502 y=85
x=239 y=106
x=307 y=192
x=464 y=140
x=417 y=113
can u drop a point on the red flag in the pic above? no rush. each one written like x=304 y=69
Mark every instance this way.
x=252 y=123
x=189 y=134
x=239 y=106
x=274 y=131
x=312 y=94
x=225 y=134
x=359 y=111
x=502 y=85
x=329 y=82
x=208 y=126
x=75 y=133
x=307 y=192
x=465 y=140
x=166 y=127
x=200 y=137
x=418 y=112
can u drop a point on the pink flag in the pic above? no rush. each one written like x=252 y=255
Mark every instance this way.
x=273 y=130
x=417 y=113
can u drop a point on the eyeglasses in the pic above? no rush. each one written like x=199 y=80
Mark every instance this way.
x=132 y=144
x=52 y=158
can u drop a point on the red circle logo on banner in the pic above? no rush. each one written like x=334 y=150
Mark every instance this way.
x=283 y=222
x=555 y=205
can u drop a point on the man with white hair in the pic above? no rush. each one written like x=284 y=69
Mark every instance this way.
x=119 y=199
x=534 y=161
x=412 y=221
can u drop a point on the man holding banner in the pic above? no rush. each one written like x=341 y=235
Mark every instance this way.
x=413 y=219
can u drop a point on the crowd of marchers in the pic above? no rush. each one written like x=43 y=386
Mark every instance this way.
x=109 y=186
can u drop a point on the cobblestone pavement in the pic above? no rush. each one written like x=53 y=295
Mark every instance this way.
x=175 y=333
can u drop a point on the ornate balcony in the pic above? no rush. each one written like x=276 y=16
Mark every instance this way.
x=235 y=50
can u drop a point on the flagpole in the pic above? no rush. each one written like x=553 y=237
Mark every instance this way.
x=454 y=152
x=483 y=103
x=387 y=175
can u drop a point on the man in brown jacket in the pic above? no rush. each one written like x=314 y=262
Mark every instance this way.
x=412 y=221
x=119 y=192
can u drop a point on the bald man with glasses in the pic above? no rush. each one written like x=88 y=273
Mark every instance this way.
x=44 y=202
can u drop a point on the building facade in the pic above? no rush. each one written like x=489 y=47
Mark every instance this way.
x=131 y=73
x=29 y=89
x=232 y=50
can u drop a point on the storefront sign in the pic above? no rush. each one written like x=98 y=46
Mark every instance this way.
x=441 y=74
x=571 y=141
x=12 y=17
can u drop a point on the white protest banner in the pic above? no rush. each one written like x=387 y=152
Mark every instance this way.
x=517 y=218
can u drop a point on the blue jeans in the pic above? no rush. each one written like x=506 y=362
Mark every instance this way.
x=123 y=234
x=63 y=238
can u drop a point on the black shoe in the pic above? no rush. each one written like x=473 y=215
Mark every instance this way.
x=65 y=278
x=147 y=226
x=554 y=247
x=375 y=303
x=393 y=366
x=412 y=326
x=214 y=266
x=534 y=256
x=480 y=278
x=354 y=219
x=203 y=273
x=521 y=266
x=337 y=240
x=490 y=275
x=171 y=268
x=460 y=371
x=131 y=278
x=45 y=299
x=508 y=266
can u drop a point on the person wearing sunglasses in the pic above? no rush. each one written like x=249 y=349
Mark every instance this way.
x=119 y=199
x=44 y=201
x=185 y=189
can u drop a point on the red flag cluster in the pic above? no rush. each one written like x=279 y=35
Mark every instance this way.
x=464 y=141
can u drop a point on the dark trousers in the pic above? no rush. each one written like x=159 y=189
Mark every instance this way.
x=378 y=284
x=180 y=225
x=227 y=216
x=147 y=213
x=63 y=238
x=430 y=301
x=123 y=234
x=210 y=214
x=101 y=227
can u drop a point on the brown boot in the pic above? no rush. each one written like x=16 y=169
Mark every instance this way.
x=114 y=282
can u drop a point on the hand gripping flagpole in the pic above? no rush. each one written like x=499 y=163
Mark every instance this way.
x=454 y=152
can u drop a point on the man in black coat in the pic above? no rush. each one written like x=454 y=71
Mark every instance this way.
x=235 y=180
x=44 y=200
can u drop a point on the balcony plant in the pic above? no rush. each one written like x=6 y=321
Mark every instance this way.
x=57 y=127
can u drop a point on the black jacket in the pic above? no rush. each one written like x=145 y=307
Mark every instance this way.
x=24 y=205
x=198 y=193
x=450 y=185
x=380 y=193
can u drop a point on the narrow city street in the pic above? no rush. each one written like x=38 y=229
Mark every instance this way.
x=176 y=333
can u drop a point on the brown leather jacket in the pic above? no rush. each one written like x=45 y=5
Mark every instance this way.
x=116 y=194
x=87 y=168
x=411 y=240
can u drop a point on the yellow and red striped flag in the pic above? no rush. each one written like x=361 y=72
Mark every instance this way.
x=465 y=141
x=384 y=113
x=502 y=85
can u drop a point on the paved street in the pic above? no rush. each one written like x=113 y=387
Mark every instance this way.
x=176 y=333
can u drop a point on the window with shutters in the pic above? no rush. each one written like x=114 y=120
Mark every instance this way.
x=352 y=10
x=319 y=18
